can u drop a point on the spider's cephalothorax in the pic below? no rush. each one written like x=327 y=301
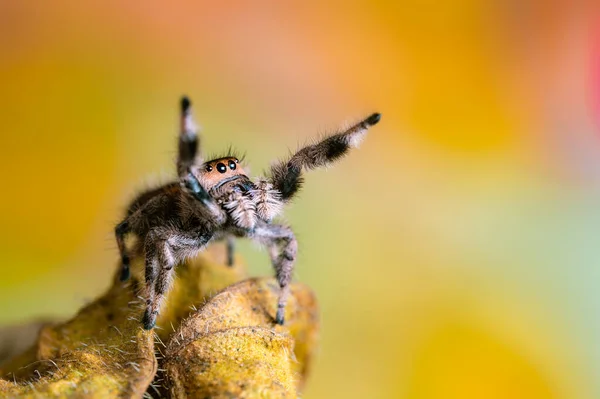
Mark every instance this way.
x=216 y=200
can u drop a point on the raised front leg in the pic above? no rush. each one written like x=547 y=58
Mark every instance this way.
x=286 y=176
x=283 y=247
x=189 y=141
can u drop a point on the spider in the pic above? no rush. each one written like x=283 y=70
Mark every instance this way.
x=215 y=200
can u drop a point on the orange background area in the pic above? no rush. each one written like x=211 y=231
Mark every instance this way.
x=454 y=254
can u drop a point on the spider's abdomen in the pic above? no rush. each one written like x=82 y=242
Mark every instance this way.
x=146 y=196
x=155 y=208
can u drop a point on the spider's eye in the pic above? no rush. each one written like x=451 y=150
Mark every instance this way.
x=221 y=167
x=209 y=168
x=231 y=165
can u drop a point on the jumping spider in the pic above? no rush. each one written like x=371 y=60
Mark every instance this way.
x=216 y=200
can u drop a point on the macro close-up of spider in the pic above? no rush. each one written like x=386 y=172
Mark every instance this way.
x=215 y=200
x=182 y=217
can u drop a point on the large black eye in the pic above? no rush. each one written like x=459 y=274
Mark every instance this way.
x=208 y=168
x=221 y=167
x=231 y=165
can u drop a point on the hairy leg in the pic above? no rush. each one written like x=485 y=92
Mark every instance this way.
x=165 y=261
x=188 y=140
x=151 y=274
x=283 y=247
x=165 y=249
x=286 y=176
x=120 y=231
x=191 y=184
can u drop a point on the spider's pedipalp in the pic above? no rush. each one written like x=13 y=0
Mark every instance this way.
x=242 y=210
x=267 y=199
x=287 y=176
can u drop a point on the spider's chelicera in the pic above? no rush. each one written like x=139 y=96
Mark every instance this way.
x=215 y=200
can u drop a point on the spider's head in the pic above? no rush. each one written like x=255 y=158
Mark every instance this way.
x=214 y=174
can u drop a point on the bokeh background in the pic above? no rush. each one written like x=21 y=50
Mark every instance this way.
x=455 y=255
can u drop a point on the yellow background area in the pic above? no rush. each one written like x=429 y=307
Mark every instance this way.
x=454 y=254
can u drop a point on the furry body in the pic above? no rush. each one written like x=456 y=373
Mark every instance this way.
x=216 y=200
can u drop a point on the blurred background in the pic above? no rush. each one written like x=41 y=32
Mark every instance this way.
x=454 y=255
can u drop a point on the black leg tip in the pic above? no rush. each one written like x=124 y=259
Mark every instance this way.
x=279 y=318
x=149 y=326
x=185 y=103
x=125 y=274
x=149 y=320
x=373 y=119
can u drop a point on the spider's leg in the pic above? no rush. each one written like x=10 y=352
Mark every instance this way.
x=191 y=184
x=140 y=211
x=189 y=142
x=171 y=247
x=151 y=274
x=162 y=282
x=283 y=247
x=120 y=231
x=286 y=176
x=230 y=250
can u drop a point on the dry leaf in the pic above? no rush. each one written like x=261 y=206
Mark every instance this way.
x=230 y=345
x=233 y=348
